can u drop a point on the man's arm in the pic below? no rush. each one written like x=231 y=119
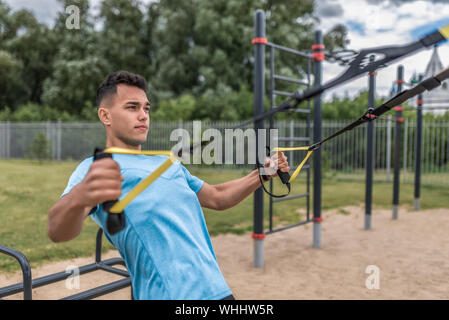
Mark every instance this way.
x=65 y=218
x=226 y=195
x=101 y=183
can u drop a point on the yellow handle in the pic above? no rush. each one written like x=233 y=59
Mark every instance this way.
x=298 y=169
x=119 y=206
x=445 y=31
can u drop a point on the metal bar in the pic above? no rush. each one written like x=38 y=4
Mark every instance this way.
x=297 y=111
x=100 y=291
x=440 y=160
x=39 y=282
x=370 y=134
x=279 y=77
x=299 y=53
x=388 y=155
x=259 y=91
x=317 y=137
x=425 y=146
x=437 y=152
x=293 y=139
x=26 y=285
x=288 y=227
x=8 y=140
x=283 y=93
x=404 y=157
x=432 y=152
x=397 y=149
x=98 y=245
x=411 y=150
x=59 y=276
x=110 y=269
x=296 y=196
x=309 y=68
x=292 y=136
x=272 y=89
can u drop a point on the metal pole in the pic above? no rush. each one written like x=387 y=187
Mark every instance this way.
x=388 y=164
x=292 y=135
x=370 y=150
x=416 y=202
x=272 y=88
x=404 y=157
x=259 y=89
x=59 y=140
x=8 y=140
x=318 y=56
x=397 y=147
x=309 y=67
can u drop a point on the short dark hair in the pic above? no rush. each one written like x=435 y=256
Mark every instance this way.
x=109 y=84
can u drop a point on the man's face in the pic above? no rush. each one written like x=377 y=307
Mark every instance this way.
x=129 y=118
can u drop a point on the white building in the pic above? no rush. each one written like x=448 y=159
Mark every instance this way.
x=438 y=97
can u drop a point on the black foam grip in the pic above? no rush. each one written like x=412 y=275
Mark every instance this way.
x=116 y=221
x=284 y=176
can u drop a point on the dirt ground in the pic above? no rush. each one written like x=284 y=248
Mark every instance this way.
x=411 y=254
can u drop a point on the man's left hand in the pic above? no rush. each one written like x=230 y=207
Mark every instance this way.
x=274 y=163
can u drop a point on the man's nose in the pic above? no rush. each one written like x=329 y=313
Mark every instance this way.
x=143 y=115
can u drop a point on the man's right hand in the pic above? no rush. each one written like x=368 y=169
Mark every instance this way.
x=102 y=182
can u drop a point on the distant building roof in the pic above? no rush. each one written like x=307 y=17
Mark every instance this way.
x=438 y=97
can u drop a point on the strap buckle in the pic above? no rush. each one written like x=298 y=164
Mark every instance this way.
x=369 y=116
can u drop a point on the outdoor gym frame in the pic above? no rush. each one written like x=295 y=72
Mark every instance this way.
x=418 y=144
x=105 y=265
x=260 y=42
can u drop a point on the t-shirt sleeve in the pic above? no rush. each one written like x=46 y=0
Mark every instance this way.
x=78 y=176
x=194 y=183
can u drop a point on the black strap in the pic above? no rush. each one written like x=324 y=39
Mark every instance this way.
x=425 y=85
x=284 y=176
x=359 y=65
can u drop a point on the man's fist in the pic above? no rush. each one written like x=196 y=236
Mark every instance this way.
x=274 y=163
x=102 y=183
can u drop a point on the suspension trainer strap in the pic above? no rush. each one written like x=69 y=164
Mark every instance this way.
x=358 y=66
x=120 y=205
x=425 y=85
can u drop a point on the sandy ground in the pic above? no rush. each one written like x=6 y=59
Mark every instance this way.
x=411 y=254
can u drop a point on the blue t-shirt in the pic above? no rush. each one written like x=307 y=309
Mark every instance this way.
x=165 y=244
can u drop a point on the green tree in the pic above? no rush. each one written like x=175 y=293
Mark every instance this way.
x=40 y=148
x=29 y=52
x=78 y=67
x=121 y=37
x=205 y=45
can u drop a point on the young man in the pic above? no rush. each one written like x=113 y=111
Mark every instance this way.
x=165 y=244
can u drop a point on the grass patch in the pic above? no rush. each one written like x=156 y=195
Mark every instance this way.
x=28 y=190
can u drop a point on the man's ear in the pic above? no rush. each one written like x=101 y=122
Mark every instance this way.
x=104 y=115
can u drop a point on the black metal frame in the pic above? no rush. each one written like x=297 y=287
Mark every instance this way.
x=272 y=93
x=28 y=283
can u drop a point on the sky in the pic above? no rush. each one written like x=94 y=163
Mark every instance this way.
x=370 y=23
x=373 y=23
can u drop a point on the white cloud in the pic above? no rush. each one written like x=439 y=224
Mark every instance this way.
x=396 y=23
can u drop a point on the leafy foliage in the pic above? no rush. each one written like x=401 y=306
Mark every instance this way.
x=196 y=55
x=40 y=148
